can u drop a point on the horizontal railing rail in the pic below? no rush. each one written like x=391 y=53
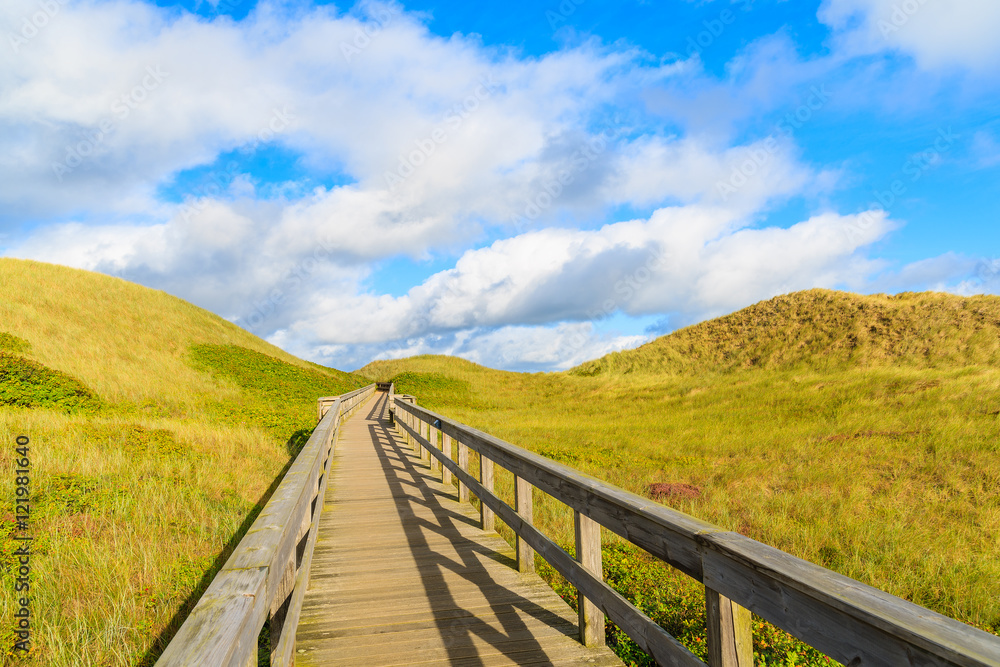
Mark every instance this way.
x=851 y=622
x=266 y=576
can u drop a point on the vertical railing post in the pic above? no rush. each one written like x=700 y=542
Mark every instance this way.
x=425 y=434
x=463 y=463
x=524 y=506
x=730 y=638
x=486 y=519
x=279 y=605
x=432 y=438
x=588 y=554
x=447 y=448
x=412 y=423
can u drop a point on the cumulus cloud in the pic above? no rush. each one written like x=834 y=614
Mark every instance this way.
x=697 y=260
x=937 y=34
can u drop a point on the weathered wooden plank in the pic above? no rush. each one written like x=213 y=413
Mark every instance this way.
x=839 y=616
x=383 y=626
x=230 y=615
x=446 y=447
x=486 y=520
x=525 y=508
x=463 y=463
x=432 y=438
x=544 y=650
x=533 y=656
x=383 y=621
x=730 y=638
x=588 y=554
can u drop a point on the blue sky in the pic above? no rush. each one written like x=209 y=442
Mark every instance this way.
x=527 y=185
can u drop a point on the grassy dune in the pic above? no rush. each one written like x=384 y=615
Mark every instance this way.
x=856 y=432
x=874 y=454
x=157 y=432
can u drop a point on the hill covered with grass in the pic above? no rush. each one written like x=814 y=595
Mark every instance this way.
x=858 y=432
x=823 y=329
x=157 y=430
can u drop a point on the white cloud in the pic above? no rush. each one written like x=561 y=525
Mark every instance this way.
x=696 y=260
x=110 y=99
x=985 y=149
x=442 y=143
x=554 y=347
x=937 y=34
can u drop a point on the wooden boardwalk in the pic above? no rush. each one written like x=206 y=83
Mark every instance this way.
x=403 y=575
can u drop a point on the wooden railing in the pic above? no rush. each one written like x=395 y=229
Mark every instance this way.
x=845 y=619
x=267 y=575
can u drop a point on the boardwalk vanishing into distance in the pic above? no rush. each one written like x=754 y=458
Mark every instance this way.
x=402 y=573
x=367 y=554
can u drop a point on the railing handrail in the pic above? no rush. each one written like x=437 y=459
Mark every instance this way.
x=850 y=621
x=261 y=578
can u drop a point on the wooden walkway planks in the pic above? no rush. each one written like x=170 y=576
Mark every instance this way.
x=403 y=575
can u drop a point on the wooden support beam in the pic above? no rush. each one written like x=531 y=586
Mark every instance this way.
x=463 y=463
x=279 y=606
x=730 y=640
x=423 y=428
x=525 y=508
x=588 y=554
x=432 y=437
x=446 y=447
x=486 y=519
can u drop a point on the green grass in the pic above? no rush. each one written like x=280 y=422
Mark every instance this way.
x=158 y=431
x=284 y=395
x=27 y=384
x=11 y=343
x=882 y=468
